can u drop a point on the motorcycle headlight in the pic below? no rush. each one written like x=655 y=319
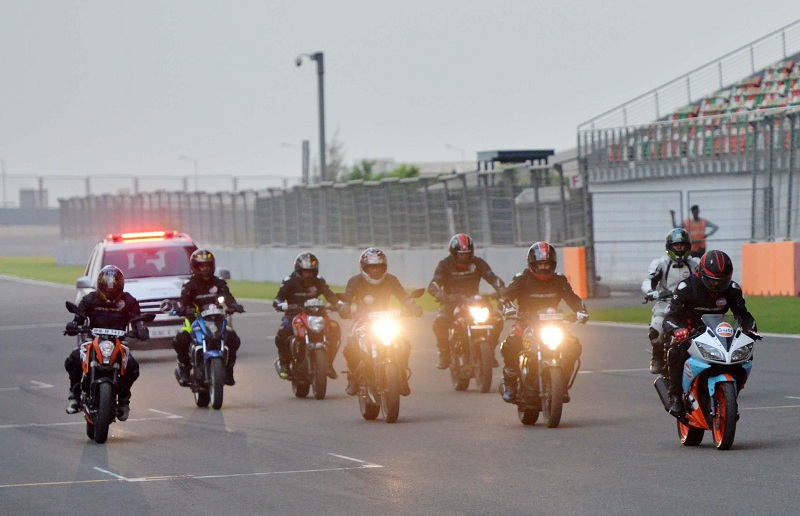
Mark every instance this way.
x=479 y=313
x=742 y=353
x=552 y=336
x=386 y=330
x=106 y=348
x=709 y=352
x=316 y=323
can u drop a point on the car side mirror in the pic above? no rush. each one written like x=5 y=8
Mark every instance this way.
x=84 y=282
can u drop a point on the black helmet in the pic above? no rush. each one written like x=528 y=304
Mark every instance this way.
x=306 y=266
x=678 y=245
x=373 y=265
x=110 y=284
x=202 y=264
x=715 y=270
x=462 y=250
x=542 y=260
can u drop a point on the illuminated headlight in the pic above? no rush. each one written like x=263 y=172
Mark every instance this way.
x=386 y=330
x=479 y=313
x=708 y=352
x=551 y=336
x=742 y=353
x=106 y=348
x=316 y=323
x=212 y=327
x=221 y=299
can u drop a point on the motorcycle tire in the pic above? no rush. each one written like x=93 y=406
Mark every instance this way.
x=456 y=376
x=202 y=399
x=552 y=395
x=527 y=415
x=216 y=382
x=723 y=425
x=320 y=373
x=390 y=398
x=369 y=410
x=104 y=416
x=483 y=366
x=90 y=430
x=689 y=435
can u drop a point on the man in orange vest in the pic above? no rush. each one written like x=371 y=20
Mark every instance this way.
x=698 y=228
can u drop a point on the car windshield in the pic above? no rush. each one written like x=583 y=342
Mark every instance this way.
x=149 y=262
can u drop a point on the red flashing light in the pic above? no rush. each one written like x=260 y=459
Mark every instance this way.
x=142 y=236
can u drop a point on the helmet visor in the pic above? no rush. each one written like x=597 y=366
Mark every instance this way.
x=307 y=274
x=375 y=271
x=715 y=284
x=681 y=248
x=544 y=268
x=463 y=257
x=205 y=269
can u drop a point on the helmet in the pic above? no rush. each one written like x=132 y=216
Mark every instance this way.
x=461 y=250
x=373 y=265
x=202 y=264
x=715 y=271
x=306 y=266
x=678 y=245
x=110 y=284
x=542 y=260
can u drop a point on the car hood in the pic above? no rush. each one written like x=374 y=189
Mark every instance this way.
x=155 y=288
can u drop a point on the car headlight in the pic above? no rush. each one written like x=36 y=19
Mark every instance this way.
x=386 y=330
x=106 y=349
x=742 y=353
x=552 y=336
x=316 y=323
x=479 y=313
x=709 y=352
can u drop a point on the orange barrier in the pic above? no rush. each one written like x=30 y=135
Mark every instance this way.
x=575 y=270
x=770 y=269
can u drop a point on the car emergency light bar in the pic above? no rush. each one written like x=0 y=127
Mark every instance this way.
x=142 y=236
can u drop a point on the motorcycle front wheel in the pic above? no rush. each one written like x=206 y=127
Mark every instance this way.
x=482 y=361
x=552 y=395
x=725 y=410
x=320 y=368
x=216 y=382
x=390 y=398
x=102 y=420
x=456 y=363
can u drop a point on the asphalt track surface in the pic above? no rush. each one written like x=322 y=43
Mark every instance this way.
x=266 y=452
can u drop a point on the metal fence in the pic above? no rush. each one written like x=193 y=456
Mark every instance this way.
x=497 y=208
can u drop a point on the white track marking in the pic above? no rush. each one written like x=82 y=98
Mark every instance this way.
x=31 y=326
x=167 y=415
x=365 y=463
x=36 y=385
x=120 y=477
x=769 y=408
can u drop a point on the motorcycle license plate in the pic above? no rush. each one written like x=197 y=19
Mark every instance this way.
x=162 y=332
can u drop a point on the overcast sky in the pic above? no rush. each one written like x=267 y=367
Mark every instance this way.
x=126 y=87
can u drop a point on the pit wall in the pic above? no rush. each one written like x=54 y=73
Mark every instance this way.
x=771 y=269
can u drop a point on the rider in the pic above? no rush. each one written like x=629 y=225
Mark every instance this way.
x=708 y=291
x=113 y=308
x=371 y=291
x=536 y=288
x=663 y=276
x=298 y=287
x=203 y=287
x=458 y=276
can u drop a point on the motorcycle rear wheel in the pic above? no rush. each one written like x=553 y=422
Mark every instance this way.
x=553 y=395
x=216 y=382
x=483 y=366
x=390 y=398
x=689 y=435
x=725 y=409
x=103 y=418
x=320 y=368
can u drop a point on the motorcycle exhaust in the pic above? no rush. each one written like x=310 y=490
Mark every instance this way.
x=662 y=388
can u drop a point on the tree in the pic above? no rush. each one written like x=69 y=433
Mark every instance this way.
x=362 y=170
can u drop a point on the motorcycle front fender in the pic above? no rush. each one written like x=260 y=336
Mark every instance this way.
x=714 y=380
x=551 y=362
x=212 y=353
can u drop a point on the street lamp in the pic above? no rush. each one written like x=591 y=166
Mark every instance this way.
x=317 y=56
x=196 y=175
x=462 y=151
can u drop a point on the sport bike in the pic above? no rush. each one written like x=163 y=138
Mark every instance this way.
x=208 y=352
x=104 y=358
x=719 y=363
x=471 y=346
x=541 y=383
x=309 y=345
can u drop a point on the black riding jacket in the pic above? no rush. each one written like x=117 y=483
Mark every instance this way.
x=450 y=279
x=295 y=291
x=691 y=300
x=199 y=292
x=101 y=315
x=534 y=294
x=369 y=297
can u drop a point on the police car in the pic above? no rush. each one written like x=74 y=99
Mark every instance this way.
x=155 y=265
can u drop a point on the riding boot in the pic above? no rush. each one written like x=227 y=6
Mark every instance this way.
x=332 y=349
x=352 y=385
x=182 y=373
x=229 y=380
x=74 y=400
x=123 y=402
x=675 y=372
x=657 y=359
x=509 y=385
x=444 y=357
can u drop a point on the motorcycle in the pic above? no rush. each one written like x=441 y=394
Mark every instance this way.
x=309 y=346
x=379 y=373
x=719 y=363
x=208 y=352
x=470 y=340
x=103 y=357
x=541 y=384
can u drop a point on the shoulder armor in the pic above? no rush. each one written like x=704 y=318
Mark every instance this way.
x=287 y=278
x=517 y=275
x=682 y=285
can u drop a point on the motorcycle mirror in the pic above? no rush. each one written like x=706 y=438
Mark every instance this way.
x=73 y=309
